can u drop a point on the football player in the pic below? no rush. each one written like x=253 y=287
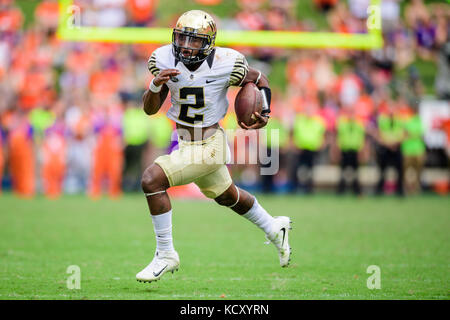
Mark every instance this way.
x=198 y=74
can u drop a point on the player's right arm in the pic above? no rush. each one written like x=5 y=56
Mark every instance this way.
x=154 y=100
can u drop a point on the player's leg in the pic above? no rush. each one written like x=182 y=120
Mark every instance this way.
x=343 y=165
x=154 y=184
x=114 y=172
x=182 y=166
x=382 y=157
x=294 y=167
x=310 y=157
x=355 y=166
x=275 y=228
x=218 y=185
x=398 y=165
x=96 y=175
x=28 y=172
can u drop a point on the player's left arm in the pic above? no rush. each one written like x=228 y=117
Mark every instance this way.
x=262 y=82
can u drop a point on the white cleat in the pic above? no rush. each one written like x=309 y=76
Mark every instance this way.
x=279 y=236
x=163 y=261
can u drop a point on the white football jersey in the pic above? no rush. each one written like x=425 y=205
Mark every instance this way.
x=199 y=97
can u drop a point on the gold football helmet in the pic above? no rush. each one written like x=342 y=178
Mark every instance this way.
x=194 y=36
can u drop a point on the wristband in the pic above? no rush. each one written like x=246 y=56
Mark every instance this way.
x=153 y=88
x=266 y=95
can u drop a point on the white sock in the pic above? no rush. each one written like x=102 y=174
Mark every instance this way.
x=260 y=217
x=162 y=224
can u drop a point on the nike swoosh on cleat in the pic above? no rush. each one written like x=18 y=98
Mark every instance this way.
x=284 y=233
x=157 y=274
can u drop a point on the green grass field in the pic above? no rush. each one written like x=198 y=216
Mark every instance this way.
x=334 y=240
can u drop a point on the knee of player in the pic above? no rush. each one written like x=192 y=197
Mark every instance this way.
x=225 y=199
x=150 y=183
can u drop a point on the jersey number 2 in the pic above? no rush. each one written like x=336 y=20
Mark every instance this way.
x=199 y=103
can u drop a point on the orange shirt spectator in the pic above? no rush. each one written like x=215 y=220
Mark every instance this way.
x=142 y=11
x=24 y=54
x=104 y=82
x=144 y=50
x=37 y=93
x=251 y=20
x=107 y=154
x=10 y=20
x=47 y=13
x=364 y=108
x=300 y=103
x=53 y=165
x=301 y=72
x=79 y=61
x=21 y=155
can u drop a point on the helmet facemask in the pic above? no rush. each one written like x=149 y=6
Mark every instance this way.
x=191 y=47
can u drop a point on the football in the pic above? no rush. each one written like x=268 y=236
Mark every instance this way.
x=248 y=101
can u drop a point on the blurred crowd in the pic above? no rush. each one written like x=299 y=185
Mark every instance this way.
x=72 y=122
